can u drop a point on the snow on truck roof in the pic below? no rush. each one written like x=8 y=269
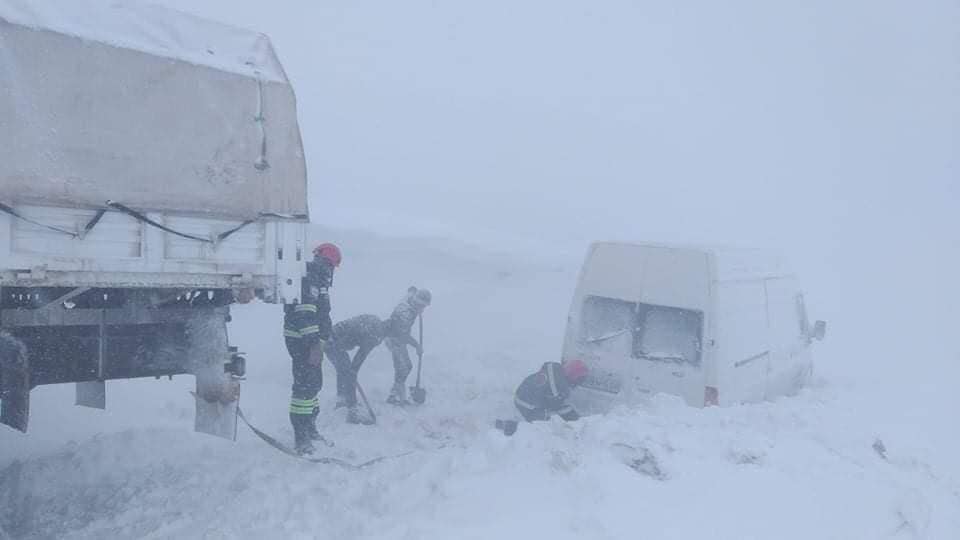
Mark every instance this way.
x=151 y=29
x=732 y=263
x=146 y=106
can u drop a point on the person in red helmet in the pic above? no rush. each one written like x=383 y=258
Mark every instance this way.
x=306 y=328
x=546 y=392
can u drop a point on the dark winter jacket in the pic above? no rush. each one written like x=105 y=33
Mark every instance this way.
x=309 y=321
x=363 y=332
x=401 y=322
x=546 y=391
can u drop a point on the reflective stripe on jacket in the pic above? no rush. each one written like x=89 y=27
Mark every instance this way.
x=310 y=319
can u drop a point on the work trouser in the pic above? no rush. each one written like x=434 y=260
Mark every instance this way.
x=533 y=413
x=307 y=382
x=402 y=366
x=346 y=373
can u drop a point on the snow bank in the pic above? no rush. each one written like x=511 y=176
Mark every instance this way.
x=803 y=467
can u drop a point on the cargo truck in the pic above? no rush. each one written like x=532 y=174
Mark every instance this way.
x=151 y=174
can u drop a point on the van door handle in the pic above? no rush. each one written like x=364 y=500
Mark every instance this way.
x=753 y=358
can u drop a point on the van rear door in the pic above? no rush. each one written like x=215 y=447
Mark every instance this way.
x=652 y=348
x=667 y=351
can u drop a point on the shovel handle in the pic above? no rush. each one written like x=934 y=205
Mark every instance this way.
x=363 y=396
x=420 y=350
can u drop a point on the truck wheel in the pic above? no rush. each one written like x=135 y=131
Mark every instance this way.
x=14 y=382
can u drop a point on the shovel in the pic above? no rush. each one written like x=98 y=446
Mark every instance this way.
x=418 y=394
x=363 y=395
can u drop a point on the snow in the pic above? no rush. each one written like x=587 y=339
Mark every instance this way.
x=802 y=467
x=152 y=29
x=541 y=126
x=146 y=106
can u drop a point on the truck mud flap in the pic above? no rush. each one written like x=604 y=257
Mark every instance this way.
x=92 y=394
x=217 y=400
x=14 y=384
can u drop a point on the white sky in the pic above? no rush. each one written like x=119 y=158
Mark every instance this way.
x=830 y=130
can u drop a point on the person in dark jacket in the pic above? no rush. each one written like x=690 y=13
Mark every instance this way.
x=546 y=391
x=306 y=327
x=363 y=333
x=399 y=338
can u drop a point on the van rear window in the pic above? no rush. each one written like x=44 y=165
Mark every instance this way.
x=655 y=333
x=667 y=334
x=607 y=318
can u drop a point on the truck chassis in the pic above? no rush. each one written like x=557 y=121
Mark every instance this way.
x=55 y=335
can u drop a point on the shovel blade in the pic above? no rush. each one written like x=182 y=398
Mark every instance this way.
x=418 y=395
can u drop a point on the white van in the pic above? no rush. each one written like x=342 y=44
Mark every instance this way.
x=713 y=326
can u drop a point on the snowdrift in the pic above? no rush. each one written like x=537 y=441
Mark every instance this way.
x=798 y=468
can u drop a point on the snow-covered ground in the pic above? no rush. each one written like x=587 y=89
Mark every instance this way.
x=804 y=467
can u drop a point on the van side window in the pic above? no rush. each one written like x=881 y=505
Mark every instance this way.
x=667 y=334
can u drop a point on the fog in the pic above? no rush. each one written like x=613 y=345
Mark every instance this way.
x=441 y=139
x=827 y=131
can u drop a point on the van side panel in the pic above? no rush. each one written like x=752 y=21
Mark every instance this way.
x=742 y=354
x=790 y=359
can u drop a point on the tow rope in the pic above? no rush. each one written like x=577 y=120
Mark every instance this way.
x=326 y=460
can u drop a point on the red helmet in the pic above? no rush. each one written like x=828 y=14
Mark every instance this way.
x=330 y=252
x=575 y=370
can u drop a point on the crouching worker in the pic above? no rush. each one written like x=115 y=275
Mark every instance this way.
x=546 y=392
x=363 y=333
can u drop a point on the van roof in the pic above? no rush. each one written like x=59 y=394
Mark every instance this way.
x=732 y=263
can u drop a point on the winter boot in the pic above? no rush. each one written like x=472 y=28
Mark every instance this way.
x=304 y=447
x=354 y=416
x=301 y=433
x=398 y=395
x=311 y=426
x=508 y=427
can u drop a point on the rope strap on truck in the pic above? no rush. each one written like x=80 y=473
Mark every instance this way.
x=139 y=216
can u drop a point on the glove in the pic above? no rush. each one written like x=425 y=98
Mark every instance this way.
x=508 y=427
x=316 y=353
x=570 y=416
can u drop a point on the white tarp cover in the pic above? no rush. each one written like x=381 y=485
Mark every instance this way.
x=146 y=106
